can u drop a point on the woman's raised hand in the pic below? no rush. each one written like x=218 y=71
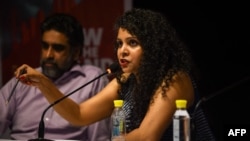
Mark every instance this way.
x=28 y=75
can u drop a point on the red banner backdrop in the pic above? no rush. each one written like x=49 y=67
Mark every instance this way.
x=20 y=34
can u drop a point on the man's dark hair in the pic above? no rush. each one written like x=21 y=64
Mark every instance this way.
x=66 y=24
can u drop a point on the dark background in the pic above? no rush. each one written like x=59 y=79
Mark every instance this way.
x=217 y=34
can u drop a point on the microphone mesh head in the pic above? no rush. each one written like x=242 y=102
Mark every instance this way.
x=114 y=67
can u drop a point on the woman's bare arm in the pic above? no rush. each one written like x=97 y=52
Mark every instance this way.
x=89 y=111
x=160 y=112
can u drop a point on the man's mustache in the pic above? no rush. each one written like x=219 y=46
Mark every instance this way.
x=48 y=61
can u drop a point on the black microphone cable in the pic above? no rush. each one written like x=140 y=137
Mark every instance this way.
x=113 y=68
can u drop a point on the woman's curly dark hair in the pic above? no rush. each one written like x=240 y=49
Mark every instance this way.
x=163 y=54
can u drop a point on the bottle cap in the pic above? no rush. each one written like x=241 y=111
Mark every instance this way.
x=181 y=103
x=118 y=103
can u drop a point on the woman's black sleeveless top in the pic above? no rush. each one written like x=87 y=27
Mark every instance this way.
x=200 y=130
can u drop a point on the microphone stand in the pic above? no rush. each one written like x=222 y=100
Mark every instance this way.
x=206 y=98
x=211 y=96
x=113 y=68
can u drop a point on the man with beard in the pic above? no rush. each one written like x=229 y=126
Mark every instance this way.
x=61 y=47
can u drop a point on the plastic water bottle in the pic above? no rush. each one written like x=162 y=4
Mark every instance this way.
x=118 y=122
x=181 y=122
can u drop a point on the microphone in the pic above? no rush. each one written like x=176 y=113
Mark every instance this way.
x=112 y=68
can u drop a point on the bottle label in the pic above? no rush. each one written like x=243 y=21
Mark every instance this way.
x=118 y=128
x=121 y=126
